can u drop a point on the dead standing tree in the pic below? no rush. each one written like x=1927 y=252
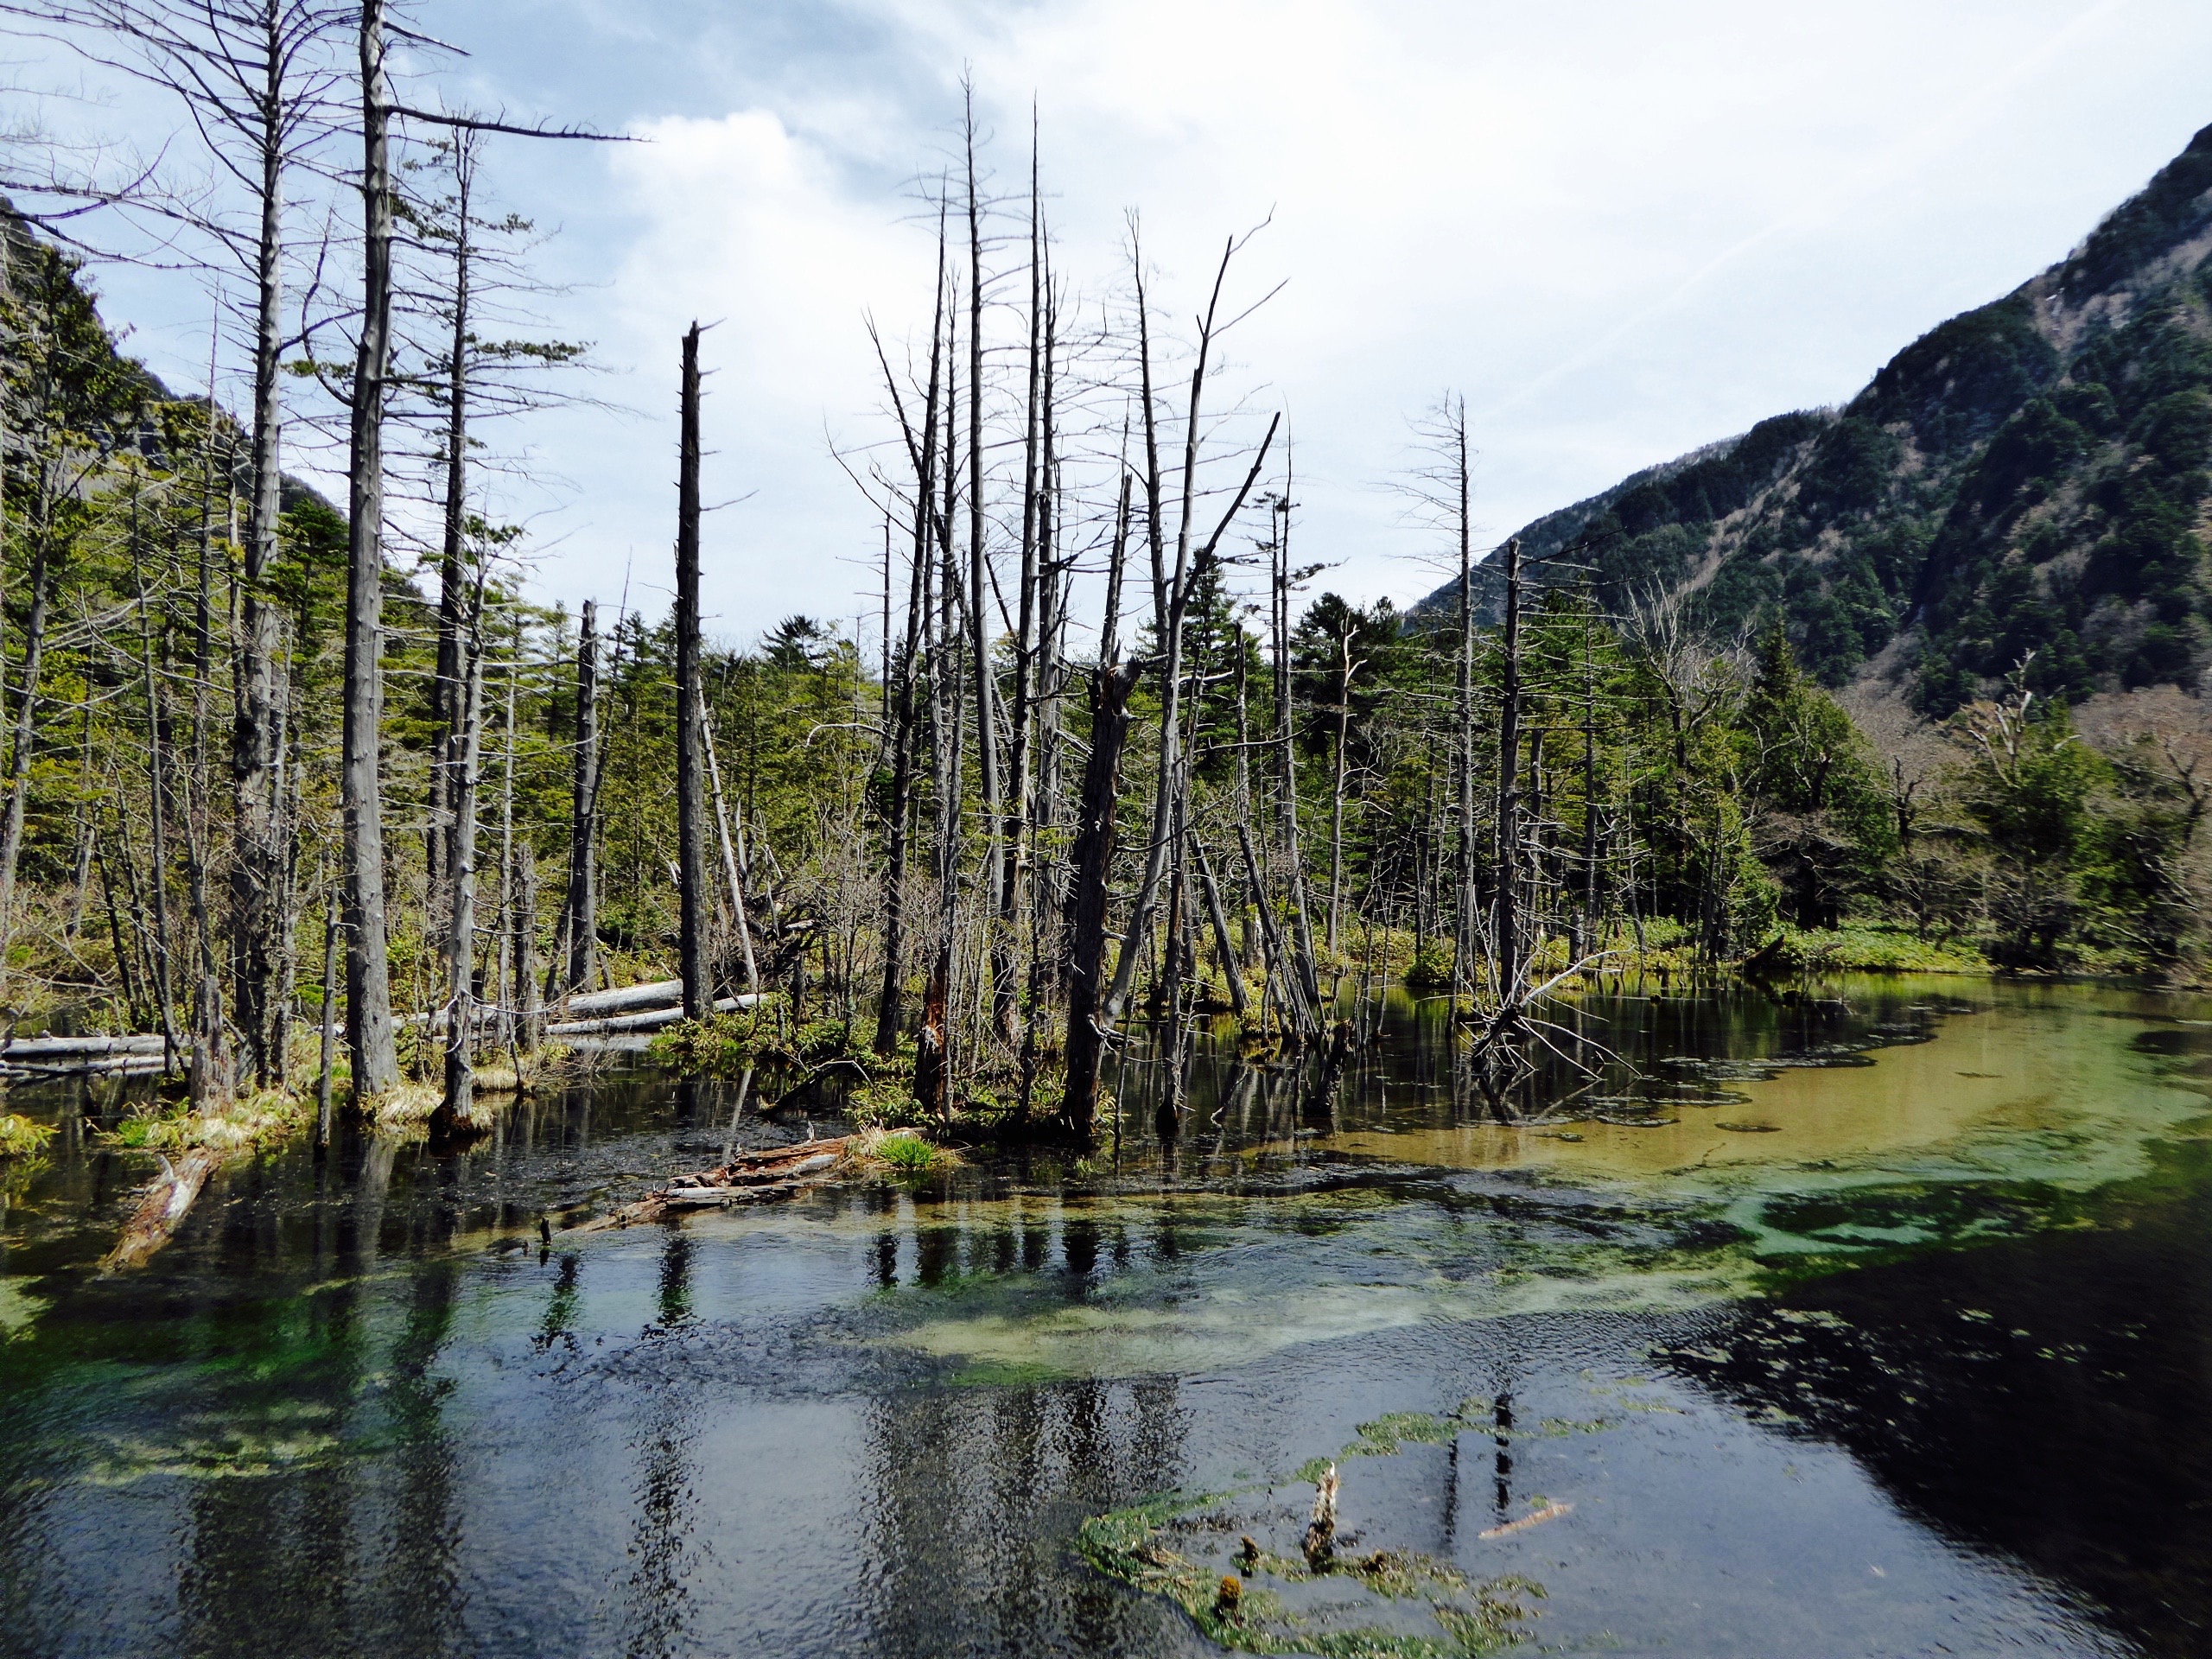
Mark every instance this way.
x=1172 y=598
x=691 y=765
x=368 y=983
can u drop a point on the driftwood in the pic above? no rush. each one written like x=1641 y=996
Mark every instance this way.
x=1549 y=1512
x=750 y=1178
x=162 y=1209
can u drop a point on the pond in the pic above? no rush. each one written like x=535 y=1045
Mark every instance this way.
x=1867 y=1318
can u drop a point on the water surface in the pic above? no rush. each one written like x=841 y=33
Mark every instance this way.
x=1866 y=1320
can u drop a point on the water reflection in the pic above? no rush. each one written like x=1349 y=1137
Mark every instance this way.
x=358 y=1407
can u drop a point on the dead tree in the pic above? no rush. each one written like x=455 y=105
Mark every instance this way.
x=1508 y=929
x=691 y=806
x=464 y=746
x=446 y=679
x=579 y=908
x=1089 y=894
x=899 y=804
x=979 y=632
x=368 y=983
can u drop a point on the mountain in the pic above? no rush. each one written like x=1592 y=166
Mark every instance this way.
x=2030 y=477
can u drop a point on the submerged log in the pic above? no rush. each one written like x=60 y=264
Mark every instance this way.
x=750 y=1178
x=162 y=1210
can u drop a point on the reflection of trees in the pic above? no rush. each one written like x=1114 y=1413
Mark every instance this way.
x=658 y=1601
x=969 y=1497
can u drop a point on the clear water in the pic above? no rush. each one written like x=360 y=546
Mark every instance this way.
x=1904 y=1351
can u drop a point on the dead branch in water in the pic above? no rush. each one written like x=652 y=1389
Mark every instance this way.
x=748 y=1178
x=162 y=1209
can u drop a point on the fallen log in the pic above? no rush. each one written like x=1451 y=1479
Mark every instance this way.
x=751 y=1177
x=651 y=1019
x=162 y=1209
x=655 y=994
x=128 y=1065
x=58 y=1048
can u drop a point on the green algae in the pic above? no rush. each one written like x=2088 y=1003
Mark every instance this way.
x=1374 y=1604
x=2019 y=1118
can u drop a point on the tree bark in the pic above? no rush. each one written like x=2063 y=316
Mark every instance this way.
x=445 y=683
x=464 y=750
x=1509 y=787
x=1089 y=896
x=690 y=813
x=368 y=983
x=579 y=908
x=256 y=868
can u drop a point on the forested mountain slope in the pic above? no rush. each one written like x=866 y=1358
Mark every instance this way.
x=2030 y=477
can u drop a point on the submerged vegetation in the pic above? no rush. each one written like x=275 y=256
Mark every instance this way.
x=1177 y=1546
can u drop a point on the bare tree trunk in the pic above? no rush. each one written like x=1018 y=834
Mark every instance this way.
x=26 y=738
x=1187 y=572
x=1286 y=701
x=979 y=643
x=330 y=932
x=504 y=982
x=690 y=816
x=530 y=1017
x=368 y=983
x=256 y=902
x=1229 y=965
x=580 y=909
x=445 y=684
x=1004 y=976
x=933 y=1046
x=157 y=789
x=1463 y=709
x=464 y=749
x=731 y=871
x=1089 y=894
x=1336 y=791
x=1509 y=788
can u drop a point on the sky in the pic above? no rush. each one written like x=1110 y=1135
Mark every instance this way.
x=1619 y=231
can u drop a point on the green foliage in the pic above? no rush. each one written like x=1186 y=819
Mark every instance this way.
x=22 y=1138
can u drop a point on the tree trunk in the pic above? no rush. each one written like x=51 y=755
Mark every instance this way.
x=979 y=643
x=1089 y=896
x=368 y=983
x=445 y=683
x=1509 y=788
x=690 y=815
x=26 y=743
x=257 y=901
x=1222 y=945
x=580 y=909
x=464 y=748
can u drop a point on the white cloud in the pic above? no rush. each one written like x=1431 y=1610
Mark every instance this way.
x=1623 y=230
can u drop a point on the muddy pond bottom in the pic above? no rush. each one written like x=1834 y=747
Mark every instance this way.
x=1870 y=1322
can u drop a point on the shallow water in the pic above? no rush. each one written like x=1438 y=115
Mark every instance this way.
x=1874 y=1321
